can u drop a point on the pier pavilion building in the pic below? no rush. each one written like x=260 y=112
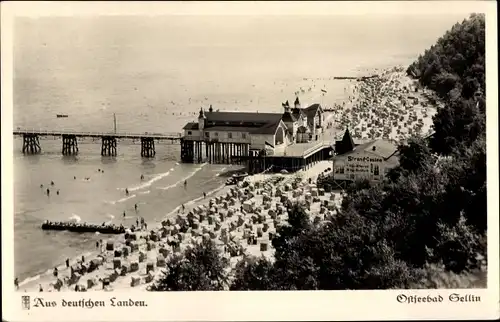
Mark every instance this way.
x=288 y=140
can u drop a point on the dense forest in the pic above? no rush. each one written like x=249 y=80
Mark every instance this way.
x=423 y=227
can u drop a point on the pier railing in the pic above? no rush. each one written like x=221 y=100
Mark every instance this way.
x=124 y=135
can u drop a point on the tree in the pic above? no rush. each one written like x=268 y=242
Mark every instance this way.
x=199 y=268
x=458 y=122
x=253 y=273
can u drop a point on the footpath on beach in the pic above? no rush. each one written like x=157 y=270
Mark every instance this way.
x=240 y=219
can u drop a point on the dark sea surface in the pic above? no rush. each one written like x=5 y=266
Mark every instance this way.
x=155 y=74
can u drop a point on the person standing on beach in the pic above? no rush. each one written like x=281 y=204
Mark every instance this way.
x=204 y=195
x=142 y=177
x=48 y=192
x=67 y=262
x=183 y=208
x=185 y=184
x=96 y=244
x=40 y=288
x=83 y=259
x=16 y=283
x=56 y=272
x=126 y=191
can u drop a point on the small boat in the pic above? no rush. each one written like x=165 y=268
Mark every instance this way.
x=83 y=227
x=61 y=115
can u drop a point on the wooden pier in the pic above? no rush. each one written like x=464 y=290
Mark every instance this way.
x=31 y=142
x=294 y=157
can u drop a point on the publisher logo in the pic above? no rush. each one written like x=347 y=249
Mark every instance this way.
x=25 y=302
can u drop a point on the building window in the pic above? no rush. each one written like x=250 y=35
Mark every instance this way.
x=189 y=132
x=230 y=135
x=207 y=134
x=376 y=170
x=244 y=135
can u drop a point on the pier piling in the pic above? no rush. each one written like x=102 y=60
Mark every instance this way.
x=108 y=146
x=147 y=147
x=31 y=144
x=69 y=145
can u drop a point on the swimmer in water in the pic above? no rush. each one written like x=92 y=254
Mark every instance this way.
x=48 y=191
x=135 y=206
x=74 y=178
x=142 y=177
x=185 y=183
x=52 y=183
x=41 y=186
x=57 y=192
x=204 y=195
x=124 y=214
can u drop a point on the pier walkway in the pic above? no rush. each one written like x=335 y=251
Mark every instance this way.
x=156 y=136
x=31 y=143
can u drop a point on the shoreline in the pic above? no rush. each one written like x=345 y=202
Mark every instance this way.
x=353 y=92
x=27 y=283
x=47 y=280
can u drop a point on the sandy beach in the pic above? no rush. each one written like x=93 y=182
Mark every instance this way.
x=228 y=216
x=389 y=105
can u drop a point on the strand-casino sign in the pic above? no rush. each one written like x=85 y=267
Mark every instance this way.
x=363 y=165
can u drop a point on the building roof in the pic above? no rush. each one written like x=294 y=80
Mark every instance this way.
x=269 y=128
x=312 y=110
x=345 y=145
x=298 y=112
x=244 y=117
x=288 y=117
x=383 y=149
x=191 y=126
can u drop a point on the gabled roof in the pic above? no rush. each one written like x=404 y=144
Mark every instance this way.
x=311 y=112
x=382 y=148
x=346 y=145
x=191 y=126
x=243 y=117
x=269 y=128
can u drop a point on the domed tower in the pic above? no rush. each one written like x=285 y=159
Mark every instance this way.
x=201 y=120
x=286 y=107
x=297 y=103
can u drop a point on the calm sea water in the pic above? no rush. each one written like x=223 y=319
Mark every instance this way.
x=154 y=74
